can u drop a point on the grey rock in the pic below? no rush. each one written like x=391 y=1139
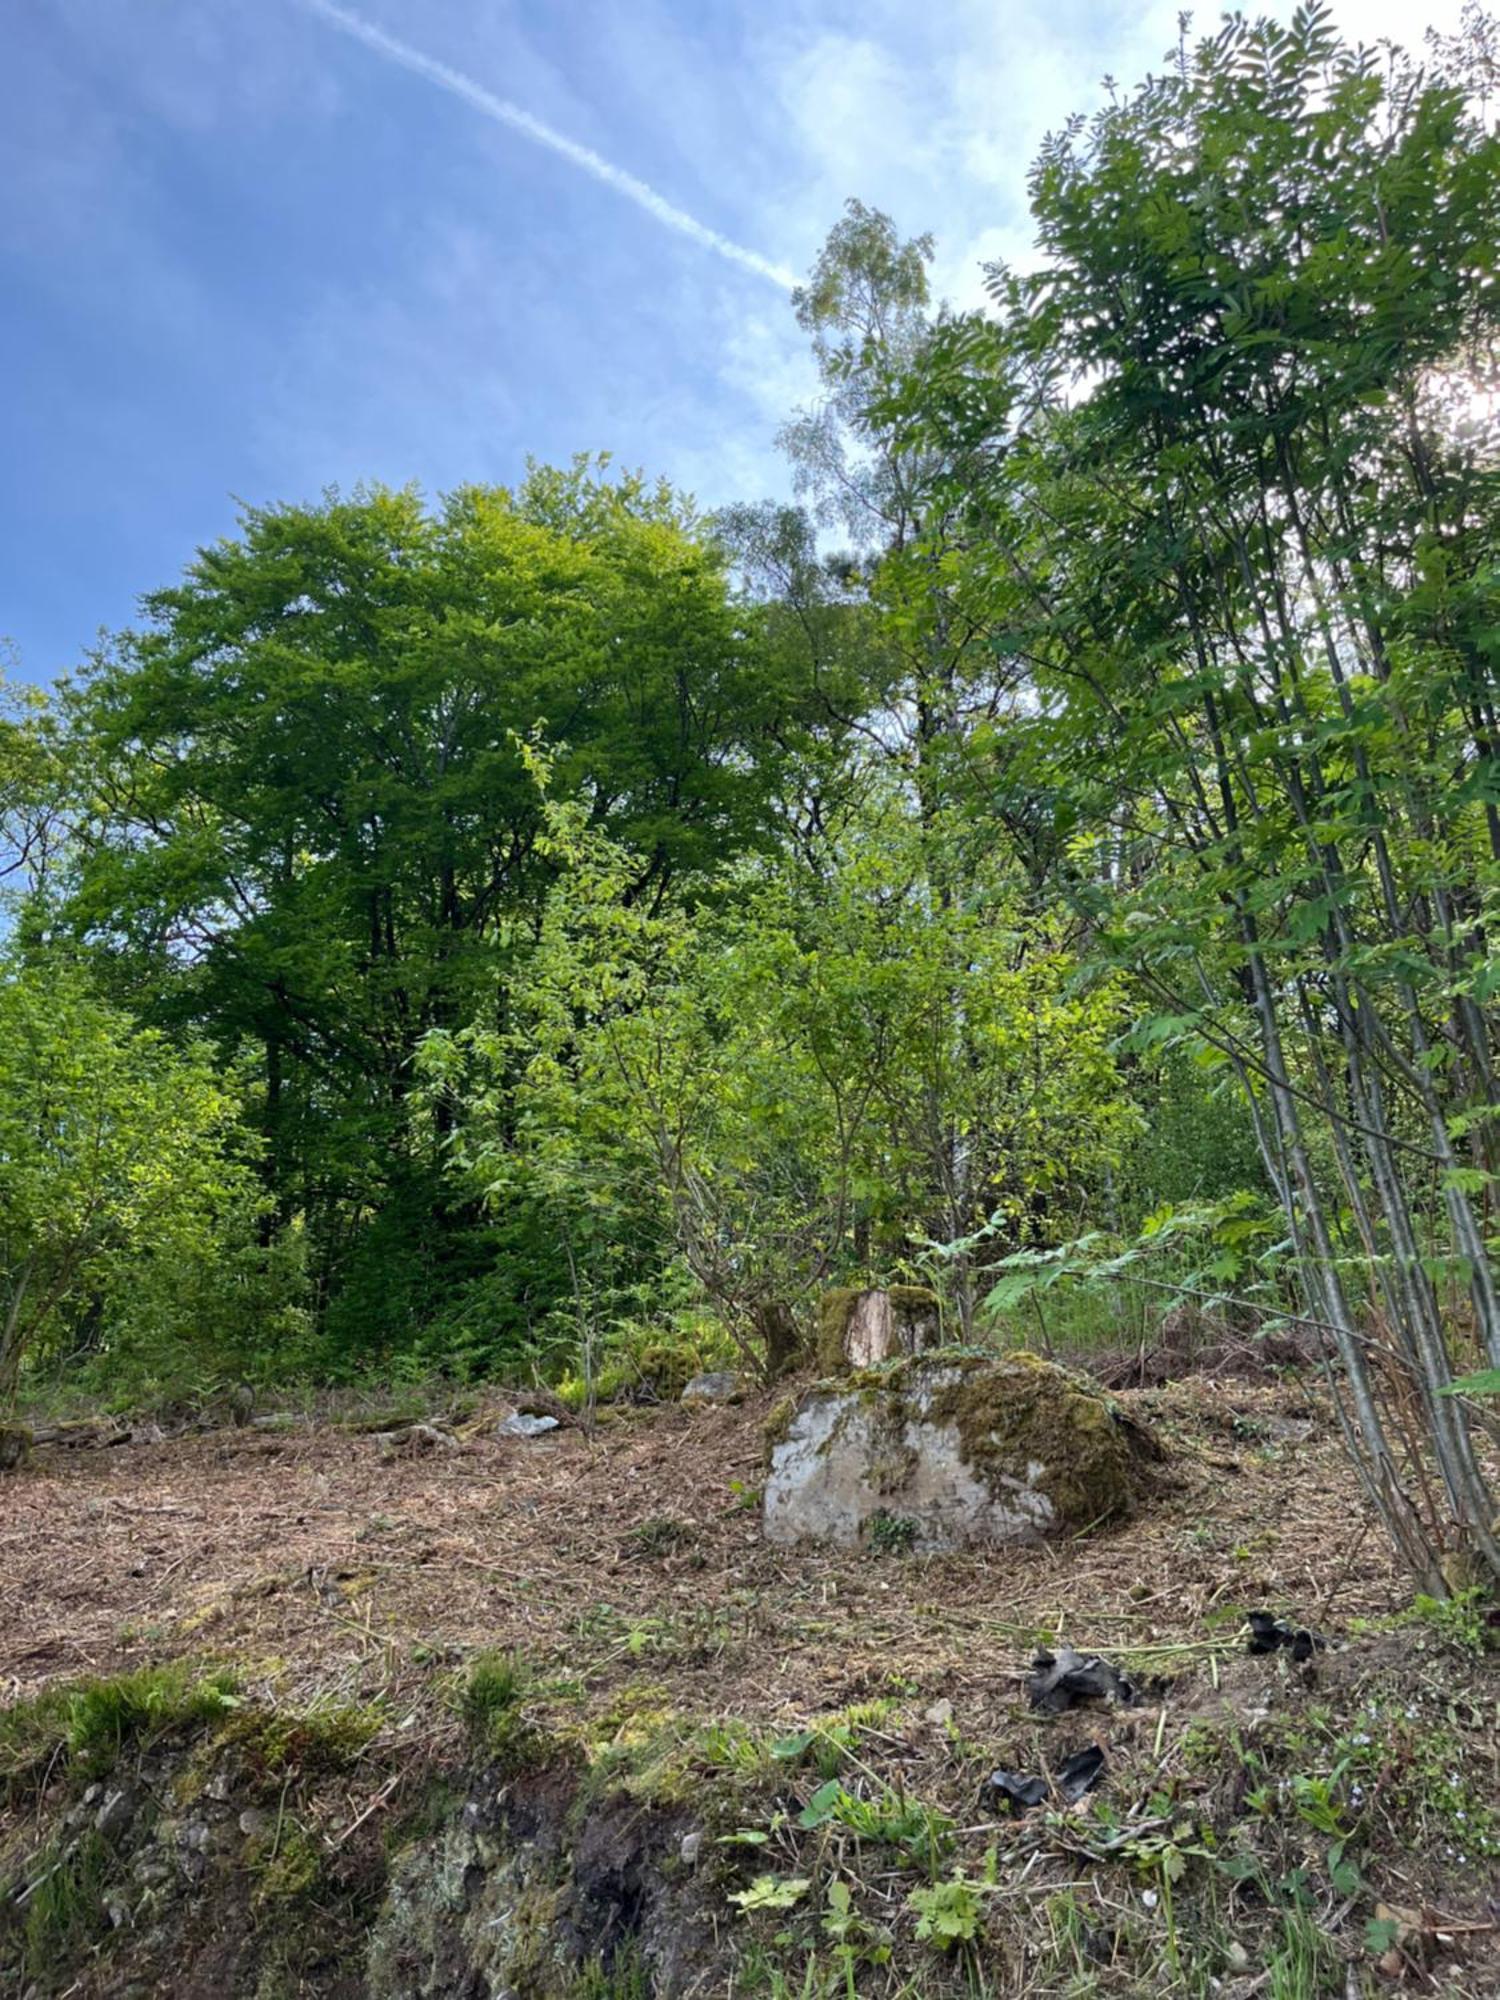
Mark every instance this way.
x=195 y=1837
x=416 y=1441
x=721 y=1385
x=1287 y=1430
x=958 y=1452
x=691 y=1847
x=116 y=1813
x=519 y=1425
x=152 y=1874
x=254 y=1821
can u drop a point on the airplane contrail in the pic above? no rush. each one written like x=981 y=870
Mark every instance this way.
x=503 y=112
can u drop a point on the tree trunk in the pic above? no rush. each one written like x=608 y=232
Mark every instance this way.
x=779 y=1336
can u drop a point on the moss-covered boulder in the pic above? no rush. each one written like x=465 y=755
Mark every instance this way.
x=862 y=1329
x=967 y=1449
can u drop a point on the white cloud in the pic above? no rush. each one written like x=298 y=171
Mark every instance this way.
x=501 y=111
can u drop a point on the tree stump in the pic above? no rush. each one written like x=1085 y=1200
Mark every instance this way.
x=861 y=1329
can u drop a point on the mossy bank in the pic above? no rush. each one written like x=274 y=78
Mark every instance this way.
x=1320 y=1831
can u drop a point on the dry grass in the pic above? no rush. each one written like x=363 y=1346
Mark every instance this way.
x=628 y=1572
x=643 y=1543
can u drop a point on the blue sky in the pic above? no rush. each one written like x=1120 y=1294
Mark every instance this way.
x=247 y=252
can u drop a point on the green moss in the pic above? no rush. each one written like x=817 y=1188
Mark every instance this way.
x=777 y=1425
x=908 y=1300
x=491 y=1702
x=908 y=1303
x=534 y=1953
x=287 y=1866
x=833 y=1322
x=1019 y=1410
x=654 y=1760
x=272 y=1744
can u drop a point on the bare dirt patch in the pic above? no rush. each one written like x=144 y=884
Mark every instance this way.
x=641 y=1545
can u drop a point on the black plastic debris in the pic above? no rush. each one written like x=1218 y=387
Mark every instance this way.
x=1075 y=1776
x=1019 y=1793
x=1061 y=1680
x=1080 y=1773
x=1269 y=1634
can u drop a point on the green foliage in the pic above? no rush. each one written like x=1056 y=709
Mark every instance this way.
x=854 y=1939
x=772 y=1892
x=892 y=1534
x=289 y=1870
x=921 y=1832
x=776 y=1071
x=949 y=1914
x=128 y=1202
x=1098 y=858
x=88 y=1723
x=1485 y=1383
x=311 y=829
x=1465 y=1620
x=1241 y=538
x=273 y=1745
x=495 y=1685
x=1304 y=1963
x=66 y=1913
x=491 y=1702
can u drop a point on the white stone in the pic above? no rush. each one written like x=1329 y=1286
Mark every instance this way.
x=836 y=1469
x=720 y=1385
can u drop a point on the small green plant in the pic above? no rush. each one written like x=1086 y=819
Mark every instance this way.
x=289 y=1867
x=66 y=1912
x=830 y=1744
x=657 y=1537
x=892 y=1534
x=853 y=1938
x=495 y=1685
x=1305 y=1962
x=491 y=1704
x=1067 y=1936
x=90 y=1721
x=1461 y=1621
x=621 y=1976
x=921 y=1832
x=949 y=1914
x=772 y=1892
x=273 y=1744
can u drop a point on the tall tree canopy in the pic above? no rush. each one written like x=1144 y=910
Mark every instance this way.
x=308 y=826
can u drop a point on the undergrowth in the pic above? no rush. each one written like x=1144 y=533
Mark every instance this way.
x=82 y=1726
